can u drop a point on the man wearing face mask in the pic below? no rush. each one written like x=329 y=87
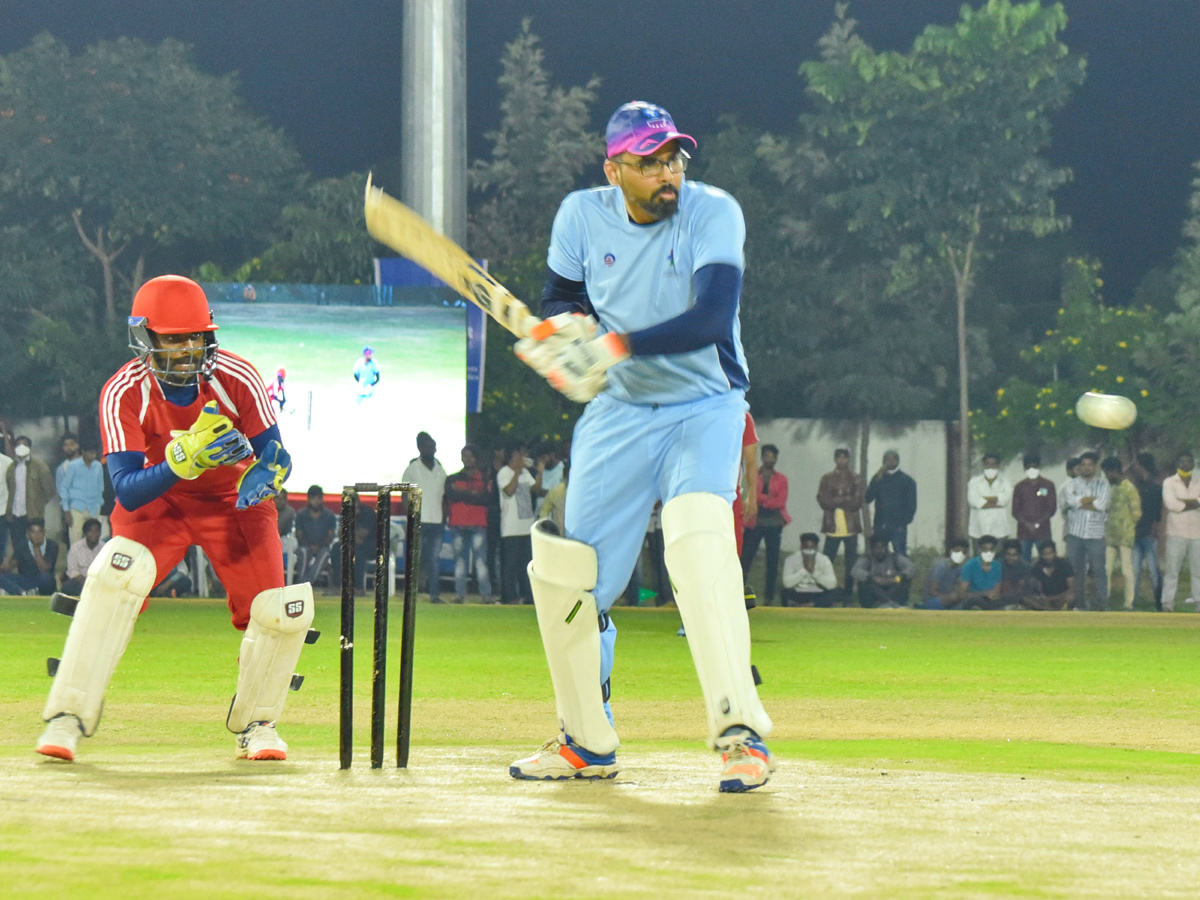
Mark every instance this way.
x=894 y=494
x=941 y=592
x=1181 y=499
x=30 y=487
x=1035 y=500
x=1086 y=498
x=988 y=496
x=979 y=580
x=882 y=576
x=808 y=576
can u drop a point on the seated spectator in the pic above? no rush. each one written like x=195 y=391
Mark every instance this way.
x=1014 y=576
x=176 y=584
x=30 y=570
x=364 y=547
x=941 y=591
x=1054 y=578
x=315 y=529
x=979 y=581
x=882 y=576
x=808 y=576
x=287 y=534
x=80 y=556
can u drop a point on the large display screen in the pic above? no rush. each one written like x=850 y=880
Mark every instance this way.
x=347 y=416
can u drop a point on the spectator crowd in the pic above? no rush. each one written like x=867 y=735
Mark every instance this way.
x=476 y=526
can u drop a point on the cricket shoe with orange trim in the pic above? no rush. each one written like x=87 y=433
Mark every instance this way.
x=748 y=763
x=61 y=737
x=561 y=758
x=260 y=741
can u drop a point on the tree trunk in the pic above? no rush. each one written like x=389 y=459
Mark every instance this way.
x=99 y=249
x=863 y=461
x=961 y=266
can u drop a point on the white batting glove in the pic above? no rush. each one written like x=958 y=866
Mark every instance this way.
x=571 y=358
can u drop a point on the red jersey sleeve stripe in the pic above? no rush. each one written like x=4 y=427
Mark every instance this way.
x=248 y=376
x=111 y=397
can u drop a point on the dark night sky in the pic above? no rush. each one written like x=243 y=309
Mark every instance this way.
x=329 y=74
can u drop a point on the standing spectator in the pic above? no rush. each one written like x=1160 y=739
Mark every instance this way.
x=547 y=454
x=68 y=446
x=1086 y=498
x=1054 y=580
x=81 y=491
x=468 y=496
x=772 y=516
x=882 y=576
x=1120 y=527
x=495 y=557
x=1072 y=469
x=516 y=488
x=1181 y=499
x=808 y=577
x=1145 y=537
x=1034 y=503
x=315 y=528
x=840 y=496
x=554 y=504
x=979 y=580
x=30 y=488
x=941 y=591
x=30 y=570
x=80 y=556
x=988 y=496
x=745 y=501
x=894 y=494
x=5 y=464
x=427 y=473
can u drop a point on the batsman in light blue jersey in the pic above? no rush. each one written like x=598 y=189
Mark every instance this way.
x=641 y=323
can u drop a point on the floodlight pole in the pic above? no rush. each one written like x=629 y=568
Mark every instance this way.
x=433 y=109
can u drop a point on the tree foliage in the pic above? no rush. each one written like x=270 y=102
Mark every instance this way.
x=131 y=150
x=540 y=151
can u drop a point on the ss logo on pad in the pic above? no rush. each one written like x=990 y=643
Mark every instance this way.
x=121 y=561
x=294 y=609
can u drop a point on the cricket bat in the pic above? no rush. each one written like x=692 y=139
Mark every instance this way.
x=392 y=223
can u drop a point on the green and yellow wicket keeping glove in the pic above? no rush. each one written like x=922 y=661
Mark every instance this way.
x=211 y=441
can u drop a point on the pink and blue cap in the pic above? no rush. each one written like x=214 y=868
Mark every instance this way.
x=640 y=128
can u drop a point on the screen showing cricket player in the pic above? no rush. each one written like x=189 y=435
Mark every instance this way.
x=364 y=369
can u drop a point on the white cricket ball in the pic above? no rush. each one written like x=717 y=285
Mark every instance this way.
x=1106 y=411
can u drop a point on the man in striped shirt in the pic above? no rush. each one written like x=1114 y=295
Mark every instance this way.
x=1085 y=501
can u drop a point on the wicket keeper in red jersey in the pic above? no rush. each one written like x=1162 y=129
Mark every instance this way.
x=193 y=449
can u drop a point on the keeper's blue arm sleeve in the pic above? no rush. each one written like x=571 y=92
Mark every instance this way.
x=135 y=484
x=561 y=295
x=710 y=321
x=260 y=441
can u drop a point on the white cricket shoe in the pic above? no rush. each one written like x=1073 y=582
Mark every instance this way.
x=260 y=741
x=61 y=737
x=561 y=758
x=748 y=763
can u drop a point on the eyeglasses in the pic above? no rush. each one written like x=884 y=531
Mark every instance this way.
x=652 y=166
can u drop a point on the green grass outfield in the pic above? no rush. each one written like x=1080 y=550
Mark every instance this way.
x=922 y=754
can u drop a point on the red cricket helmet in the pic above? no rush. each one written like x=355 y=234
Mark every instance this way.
x=172 y=304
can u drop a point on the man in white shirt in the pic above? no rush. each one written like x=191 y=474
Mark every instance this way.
x=808 y=576
x=517 y=488
x=1181 y=499
x=988 y=496
x=5 y=462
x=1085 y=498
x=427 y=473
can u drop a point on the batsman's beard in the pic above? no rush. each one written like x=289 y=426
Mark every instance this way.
x=660 y=207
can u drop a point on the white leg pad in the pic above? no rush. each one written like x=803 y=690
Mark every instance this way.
x=117 y=583
x=279 y=620
x=701 y=556
x=562 y=576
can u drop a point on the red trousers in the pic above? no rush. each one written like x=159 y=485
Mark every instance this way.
x=243 y=545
